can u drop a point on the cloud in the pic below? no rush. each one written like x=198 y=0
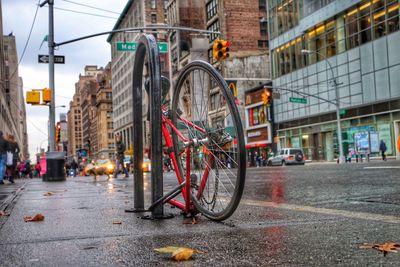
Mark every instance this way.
x=17 y=18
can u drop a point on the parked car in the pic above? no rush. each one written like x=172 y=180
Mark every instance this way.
x=287 y=156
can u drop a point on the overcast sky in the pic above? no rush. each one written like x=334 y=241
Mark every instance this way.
x=18 y=16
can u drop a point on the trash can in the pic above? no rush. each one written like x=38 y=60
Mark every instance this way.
x=55 y=167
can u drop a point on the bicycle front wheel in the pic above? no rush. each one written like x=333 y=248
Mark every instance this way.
x=205 y=113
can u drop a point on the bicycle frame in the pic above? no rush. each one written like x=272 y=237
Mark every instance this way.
x=185 y=184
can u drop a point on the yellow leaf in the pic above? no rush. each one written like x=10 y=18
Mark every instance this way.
x=167 y=249
x=183 y=254
x=49 y=194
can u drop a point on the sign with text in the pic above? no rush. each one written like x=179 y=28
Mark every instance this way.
x=131 y=47
x=57 y=59
x=298 y=100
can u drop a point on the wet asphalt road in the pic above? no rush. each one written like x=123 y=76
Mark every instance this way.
x=313 y=215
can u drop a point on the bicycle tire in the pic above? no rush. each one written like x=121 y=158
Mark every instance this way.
x=220 y=175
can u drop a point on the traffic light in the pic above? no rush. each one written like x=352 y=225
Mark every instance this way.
x=266 y=97
x=33 y=97
x=58 y=133
x=221 y=49
x=46 y=97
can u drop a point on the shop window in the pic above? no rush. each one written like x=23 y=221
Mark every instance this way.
x=393 y=17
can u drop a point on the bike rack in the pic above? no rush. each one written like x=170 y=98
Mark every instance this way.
x=147 y=43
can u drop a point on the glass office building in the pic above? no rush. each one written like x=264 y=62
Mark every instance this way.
x=354 y=42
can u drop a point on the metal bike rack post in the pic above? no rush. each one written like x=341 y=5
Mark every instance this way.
x=147 y=43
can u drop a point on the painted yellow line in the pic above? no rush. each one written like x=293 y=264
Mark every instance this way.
x=335 y=212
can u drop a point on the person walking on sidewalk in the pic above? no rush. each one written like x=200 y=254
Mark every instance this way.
x=3 y=156
x=14 y=149
x=120 y=149
x=74 y=167
x=382 y=148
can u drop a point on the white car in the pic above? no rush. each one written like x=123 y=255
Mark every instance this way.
x=287 y=156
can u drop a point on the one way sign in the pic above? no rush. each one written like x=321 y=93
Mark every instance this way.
x=57 y=59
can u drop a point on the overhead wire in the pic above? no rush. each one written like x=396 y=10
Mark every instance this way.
x=27 y=40
x=93 y=7
x=85 y=13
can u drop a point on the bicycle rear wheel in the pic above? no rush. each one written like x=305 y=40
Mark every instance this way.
x=204 y=111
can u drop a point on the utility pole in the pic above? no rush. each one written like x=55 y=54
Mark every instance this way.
x=50 y=40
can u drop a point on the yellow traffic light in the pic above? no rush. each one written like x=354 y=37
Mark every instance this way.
x=221 y=49
x=33 y=97
x=266 y=97
x=46 y=95
x=58 y=133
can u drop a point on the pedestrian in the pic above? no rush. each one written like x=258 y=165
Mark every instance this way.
x=37 y=170
x=382 y=148
x=120 y=150
x=74 y=167
x=3 y=156
x=13 y=149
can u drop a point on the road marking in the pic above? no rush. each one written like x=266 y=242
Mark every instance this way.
x=383 y=167
x=335 y=212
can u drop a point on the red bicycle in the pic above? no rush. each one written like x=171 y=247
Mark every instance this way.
x=204 y=136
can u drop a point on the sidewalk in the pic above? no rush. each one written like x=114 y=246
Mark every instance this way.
x=79 y=230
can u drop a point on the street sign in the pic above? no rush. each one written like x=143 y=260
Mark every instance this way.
x=163 y=47
x=342 y=112
x=57 y=59
x=298 y=100
x=122 y=46
x=131 y=47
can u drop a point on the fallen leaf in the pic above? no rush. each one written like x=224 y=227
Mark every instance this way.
x=117 y=222
x=3 y=213
x=167 y=249
x=49 y=194
x=385 y=247
x=179 y=253
x=194 y=220
x=38 y=217
x=183 y=254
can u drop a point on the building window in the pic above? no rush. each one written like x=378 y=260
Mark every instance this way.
x=263 y=44
x=153 y=18
x=153 y=4
x=263 y=27
x=213 y=27
x=358 y=25
x=211 y=9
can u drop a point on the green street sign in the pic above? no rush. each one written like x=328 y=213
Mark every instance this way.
x=131 y=47
x=122 y=46
x=163 y=47
x=342 y=112
x=298 y=100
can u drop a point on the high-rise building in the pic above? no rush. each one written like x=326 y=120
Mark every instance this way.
x=14 y=93
x=336 y=54
x=104 y=146
x=135 y=14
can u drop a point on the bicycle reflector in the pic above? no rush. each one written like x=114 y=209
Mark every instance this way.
x=221 y=49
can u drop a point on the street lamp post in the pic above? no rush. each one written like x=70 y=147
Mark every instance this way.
x=337 y=105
